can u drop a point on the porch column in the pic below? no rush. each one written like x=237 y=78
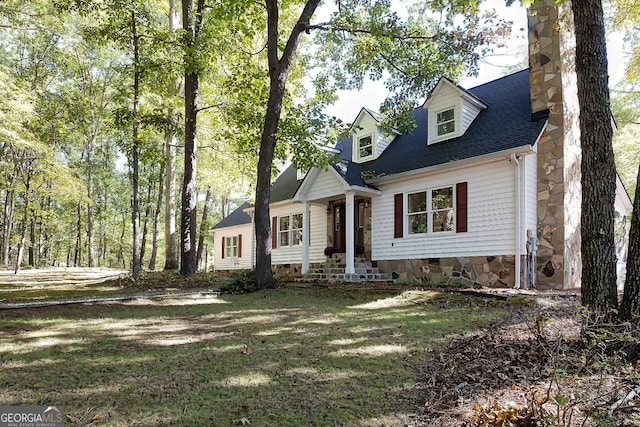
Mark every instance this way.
x=305 y=238
x=349 y=232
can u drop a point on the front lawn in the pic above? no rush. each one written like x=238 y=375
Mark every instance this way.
x=291 y=356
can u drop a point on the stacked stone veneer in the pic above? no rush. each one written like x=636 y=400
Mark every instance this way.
x=553 y=88
x=497 y=271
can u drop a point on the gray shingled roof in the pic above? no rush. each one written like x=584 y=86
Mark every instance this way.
x=505 y=124
x=237 y=217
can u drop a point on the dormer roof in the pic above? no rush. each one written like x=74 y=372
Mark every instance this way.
x=469 y=96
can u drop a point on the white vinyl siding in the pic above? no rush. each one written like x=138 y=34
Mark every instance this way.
x=469 y=113
x=229 y=262
x=317 y=235
x=491 y=215
x=327 y=183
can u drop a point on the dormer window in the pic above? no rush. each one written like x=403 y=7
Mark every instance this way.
x=446 y=122
x=365 y=146
x=451 y=109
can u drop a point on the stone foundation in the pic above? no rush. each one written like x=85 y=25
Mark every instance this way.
x=491 y=271
x=287 y=271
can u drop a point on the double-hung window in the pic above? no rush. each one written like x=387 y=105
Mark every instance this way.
x=365 y=147
x=231 y=246
x=445 y=122
x=290 y=230
x=431 y=211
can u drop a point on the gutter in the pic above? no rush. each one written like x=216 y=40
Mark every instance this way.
x=453 y=165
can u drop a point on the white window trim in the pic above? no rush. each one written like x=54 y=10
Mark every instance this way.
x=433 y=124
x=373 y=147
x=231 y=247
x=290 y=231
x=430 y=211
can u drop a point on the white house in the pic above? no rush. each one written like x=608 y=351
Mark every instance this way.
x=486 y=188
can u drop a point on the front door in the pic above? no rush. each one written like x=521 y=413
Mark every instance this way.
x=338 y=227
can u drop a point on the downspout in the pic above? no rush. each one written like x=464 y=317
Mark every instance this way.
x=518 y=215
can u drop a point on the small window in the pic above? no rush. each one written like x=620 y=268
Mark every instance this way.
x=231 y=246
x=431 y=211
x=365 y=146
x=446 y=122
x=290 y=230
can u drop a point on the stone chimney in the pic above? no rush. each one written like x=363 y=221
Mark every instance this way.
x=553 y=88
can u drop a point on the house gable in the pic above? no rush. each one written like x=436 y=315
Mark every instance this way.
x=451 y=110
x=321 y=183
x=369 y=140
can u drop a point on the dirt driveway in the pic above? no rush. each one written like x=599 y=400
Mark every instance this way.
x=56 y=282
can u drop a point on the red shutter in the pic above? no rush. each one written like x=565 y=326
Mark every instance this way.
x=398 y=215
x=274 y=232
x=223 y=239
x=240 y=246
x=461 y=207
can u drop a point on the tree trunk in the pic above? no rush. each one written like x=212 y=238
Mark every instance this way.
x=25 y=218
x=171 y=140
x=630 y=306
x=122 y=233
x=145 y=226
x=77 y=255
x=89 y=206
x=203 y=228
x=156 y=221
x=191 y=22
x=278 y=74
x=135 y=163
x=170 y=232
x=9 y=208
x=599 y=291
x=32 y=240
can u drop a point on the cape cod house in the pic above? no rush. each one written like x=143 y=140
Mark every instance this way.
x=486 y=188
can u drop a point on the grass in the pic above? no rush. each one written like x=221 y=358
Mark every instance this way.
x=284 y=357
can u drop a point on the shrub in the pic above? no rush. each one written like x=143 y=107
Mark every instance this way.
x=242 y=282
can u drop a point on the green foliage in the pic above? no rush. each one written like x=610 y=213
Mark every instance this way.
x=242 y=282
x=368 y=39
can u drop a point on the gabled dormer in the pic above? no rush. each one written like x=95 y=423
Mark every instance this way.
x=451 y=111
x=369 y=139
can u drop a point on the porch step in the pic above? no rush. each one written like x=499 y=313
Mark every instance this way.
x=334 y=271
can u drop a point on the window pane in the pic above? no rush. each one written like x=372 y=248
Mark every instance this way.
x=365 y=146
x=442 y=198
x=284 y=223
x=418 y=223
x=297 y=221
x=446 y=128
x=284 y=238
x=445 y=116
x=417 y=202
x=443 y=220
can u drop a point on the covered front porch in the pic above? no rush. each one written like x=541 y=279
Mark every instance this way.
x=348 y=228
x=348 y=211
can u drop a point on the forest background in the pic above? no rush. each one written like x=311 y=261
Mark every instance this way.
x=93 y=121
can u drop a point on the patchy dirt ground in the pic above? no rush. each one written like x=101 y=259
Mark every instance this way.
x=532 y=369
